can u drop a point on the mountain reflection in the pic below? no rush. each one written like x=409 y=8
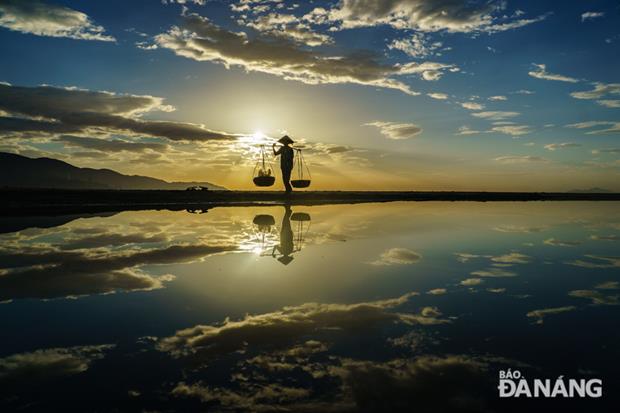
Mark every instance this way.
x=417 y=311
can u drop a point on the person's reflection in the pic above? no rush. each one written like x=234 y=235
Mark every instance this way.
x=287 y=245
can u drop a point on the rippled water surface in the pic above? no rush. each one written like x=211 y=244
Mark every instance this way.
x=371 y=307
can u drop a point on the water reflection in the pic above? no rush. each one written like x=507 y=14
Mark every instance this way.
x=417 y=310
x=289 y=242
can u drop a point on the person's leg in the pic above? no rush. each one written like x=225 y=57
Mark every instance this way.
x=286 y=177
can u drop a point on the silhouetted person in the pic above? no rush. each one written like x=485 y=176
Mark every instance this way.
x=287 y=245
x=286 y=160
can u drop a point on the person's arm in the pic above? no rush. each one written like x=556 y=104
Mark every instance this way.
x=278 y=152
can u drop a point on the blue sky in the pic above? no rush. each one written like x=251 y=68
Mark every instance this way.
x=399 y=94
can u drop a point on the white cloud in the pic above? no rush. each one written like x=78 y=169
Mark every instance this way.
x=200 y=39
x=519 y=229
x=472 y=105
x=605 y=150
x=493 y=273
x=511 y=258
x=597 y=297
x=539 y=315
x=416 y=46
x=561 y=243
x=278 y=328
x=541 y=73
x=43 y=19
x=612 y=127
x=472 y=281
x=426 y=16
x=555 y=146
x=438 y=96
x=499 y=97
x=397 y=131
x=600 y=90
x=609 y=103
x=49 y=364
x=495 y=115
x=597 y=261
x=398 y=256
x=591 y=15
x=288 y=26
x=515 y=24
x=520 y=159
x=513 y=130
x=466 y=130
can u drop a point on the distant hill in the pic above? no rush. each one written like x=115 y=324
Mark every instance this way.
x=18 y=171
x=594 y=190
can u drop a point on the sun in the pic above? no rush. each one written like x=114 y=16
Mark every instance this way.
x=259 y=137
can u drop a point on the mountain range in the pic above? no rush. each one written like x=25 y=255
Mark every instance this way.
x=18 y=171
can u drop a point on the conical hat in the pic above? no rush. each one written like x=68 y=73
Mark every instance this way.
x=286 y=259
x=285 y=139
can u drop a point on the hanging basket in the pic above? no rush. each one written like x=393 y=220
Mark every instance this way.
x=300 y=183
x=264 y=180
x=302 y=172
x=300 y=216
x=264 y=220
x=262 y=174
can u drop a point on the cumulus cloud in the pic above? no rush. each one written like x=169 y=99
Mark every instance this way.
x=426 y=16
x=48 y=364
x=511 y=258
x=540 y=72
x=417 y=46
x=279 y=328
x=45 y=19
x=431 y=383
x=265 y=397
x=287 y=26
x=200 y=39
x=540 y=315
x=397 y=131
x=398 y=256
x=469 y=282
x=555 y=146
x=50 y=273
x=52 y=109
x=591 y=15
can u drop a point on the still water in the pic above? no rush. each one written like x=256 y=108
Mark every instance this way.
x=370 y=307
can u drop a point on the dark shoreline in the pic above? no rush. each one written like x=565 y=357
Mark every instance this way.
x=20 y=202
